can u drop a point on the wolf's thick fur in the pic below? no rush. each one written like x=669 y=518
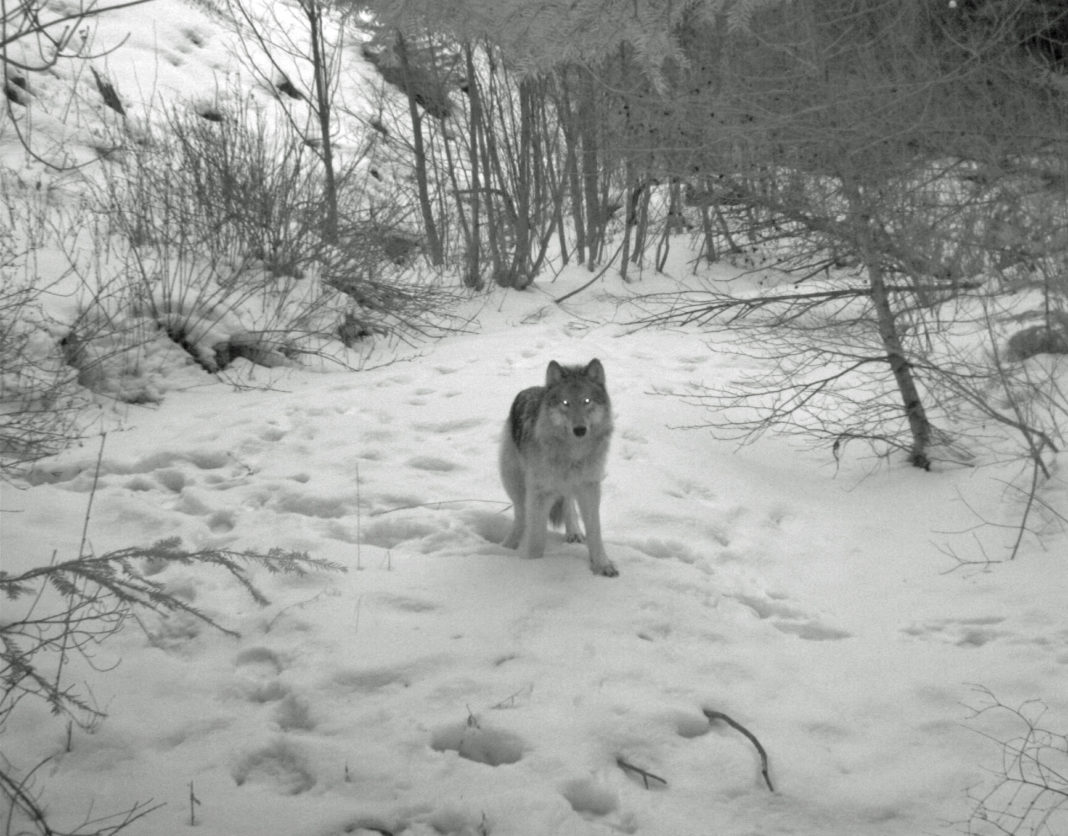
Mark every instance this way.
x=553 y=453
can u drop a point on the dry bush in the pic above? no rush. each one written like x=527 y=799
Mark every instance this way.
x=40 y=403
x=62 y=612
x=1029 y=791
x=220 y=224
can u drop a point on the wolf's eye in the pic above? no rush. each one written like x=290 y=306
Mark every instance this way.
x=565 y=402
x=586 y=401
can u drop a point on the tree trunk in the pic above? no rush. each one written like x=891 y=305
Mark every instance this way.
x=473 y=258
x=437 y=256
x=521 y=275
x=862 y=224
x=314 y=12
x=919 y=426
x=591 y=173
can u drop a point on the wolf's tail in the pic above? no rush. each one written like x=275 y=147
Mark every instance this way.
x=556 y=513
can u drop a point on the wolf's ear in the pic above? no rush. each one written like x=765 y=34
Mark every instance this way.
x=595 y=371
x=554 y=374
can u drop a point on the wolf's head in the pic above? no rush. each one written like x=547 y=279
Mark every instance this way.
x=577 y=399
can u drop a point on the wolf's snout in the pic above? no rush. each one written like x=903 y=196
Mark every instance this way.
x=579 y=431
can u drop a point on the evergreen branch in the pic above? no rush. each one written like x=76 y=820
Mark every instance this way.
x=98 y=595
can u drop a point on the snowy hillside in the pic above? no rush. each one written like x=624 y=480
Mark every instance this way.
x=443 y=685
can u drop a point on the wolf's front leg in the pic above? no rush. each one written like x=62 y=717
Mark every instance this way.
x=536 y=522
x=519 y=508
x=589 y=502
x=572 y=532
x=516 y=534
x=514 y=482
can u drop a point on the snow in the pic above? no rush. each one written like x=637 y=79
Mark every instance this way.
x=443 y=685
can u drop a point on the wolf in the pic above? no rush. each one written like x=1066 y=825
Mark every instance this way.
x=552 y=459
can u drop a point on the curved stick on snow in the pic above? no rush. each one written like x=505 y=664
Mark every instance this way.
x=734 y=724
x=604 y=270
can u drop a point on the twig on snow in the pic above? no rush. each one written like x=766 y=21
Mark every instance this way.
x=194 y=802
x=734 y=724
x=438 y=504
x=603 y=270
x=645 y=775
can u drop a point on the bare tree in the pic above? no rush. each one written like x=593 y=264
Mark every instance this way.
x=867 y=144
x=46 y=35
x=54 y=32
x=271 y=40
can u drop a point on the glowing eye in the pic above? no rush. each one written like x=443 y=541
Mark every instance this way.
x=586 y=401
x=564 y=402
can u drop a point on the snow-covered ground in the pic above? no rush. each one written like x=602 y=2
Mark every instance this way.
x=442 y=685
x=814 y=608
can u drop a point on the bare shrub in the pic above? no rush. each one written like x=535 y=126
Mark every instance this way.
x=60 y=612
x=39 y=401
x=1029 y=792
x=221 y=224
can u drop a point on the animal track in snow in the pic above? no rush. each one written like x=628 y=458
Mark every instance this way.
x=256 y=670
x=308 y=505
x=364 y=680
x=789 y=619
x=407 y=603
x=262 y=657
x=812 y=631
x=964 y=632
x=633 y=435
x=195 y=37
x=446 y=427
x=293 y=713
x=491 y=527
x=656 y=631
x=390 y=532
x=587 y=795
x=692 y=490
x=695 y=360
x=174 y=632
x=432 y=464
x=86 y=470
x=663 y=549
x=690 y=726
x=372 y=826
x=278 y=766
x=220 y=522
x=272 y=433
x=474 y=743
x=172 y=479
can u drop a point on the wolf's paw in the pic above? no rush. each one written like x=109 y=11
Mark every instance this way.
x=531 y=550
x=606 y=569
x=574 y=537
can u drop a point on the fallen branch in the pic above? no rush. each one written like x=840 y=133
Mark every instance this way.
x=603 y=270
x=437 y=504
x=637 y=770
x=734 y=724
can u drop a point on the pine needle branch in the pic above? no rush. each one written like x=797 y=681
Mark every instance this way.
x=98 y=594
